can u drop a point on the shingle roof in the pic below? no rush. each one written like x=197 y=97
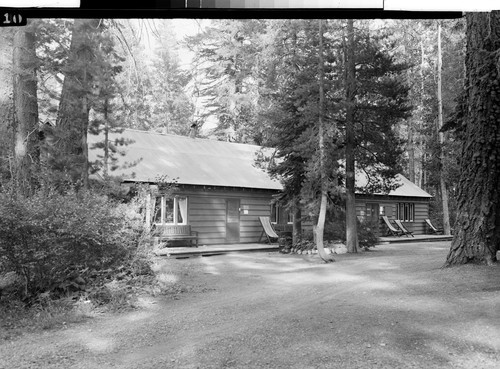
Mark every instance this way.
x=193 y=161
x=198 y=161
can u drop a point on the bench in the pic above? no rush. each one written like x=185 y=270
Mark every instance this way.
x=176 y=232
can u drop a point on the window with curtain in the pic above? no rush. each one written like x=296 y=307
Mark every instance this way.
x=274 y=213
x=170 y=210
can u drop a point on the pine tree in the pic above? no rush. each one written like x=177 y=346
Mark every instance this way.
x=477 y=229
x=228 y=61
x=75 y=104
x=6 y=103
x=368 y=109
x=26 y=151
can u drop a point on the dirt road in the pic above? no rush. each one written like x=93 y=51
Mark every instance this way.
x=388 y=308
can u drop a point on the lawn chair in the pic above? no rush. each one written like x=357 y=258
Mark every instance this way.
x=392 y=230
x=267 y=229
x=432 y=228
x=405 y=231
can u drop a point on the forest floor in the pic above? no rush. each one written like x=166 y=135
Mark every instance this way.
x=392 y=307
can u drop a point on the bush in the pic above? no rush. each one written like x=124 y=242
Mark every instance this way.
x=367 y=232
x=50 y=238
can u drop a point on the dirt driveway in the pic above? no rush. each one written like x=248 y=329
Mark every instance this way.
x=388 y=308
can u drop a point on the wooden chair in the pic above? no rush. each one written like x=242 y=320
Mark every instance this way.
x=432 y=228
x=392 y=230
x=267 y=228
x=405 y=231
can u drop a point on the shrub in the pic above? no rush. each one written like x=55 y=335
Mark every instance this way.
x=50 y=237
x=367 y=232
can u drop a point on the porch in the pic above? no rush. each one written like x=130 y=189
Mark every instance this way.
x=416 y=238
x=180 y=252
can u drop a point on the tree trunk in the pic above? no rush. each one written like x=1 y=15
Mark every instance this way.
x=26 y=152
x=420 y=117
x=106 y=141
x=73 y=116
x=443 y=189
x=6 y=92
x=297 y=223
x=411 y=150
x=321 y=146
x=477 y=229
x=351 y=223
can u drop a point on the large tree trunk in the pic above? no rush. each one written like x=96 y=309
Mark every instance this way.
x=6 y=102
x=26 y=152
x=442 y=181
x=73 y=116
x=322 y=156
x=351 y=222
x=477 y=229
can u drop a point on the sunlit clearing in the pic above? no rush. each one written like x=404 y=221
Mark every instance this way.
x=136 y=316
x=317 y=277
x=419 y=304
x=167 y=278
x=378 y=285
x=96 y=344
x=210 y=266
x=381 y=265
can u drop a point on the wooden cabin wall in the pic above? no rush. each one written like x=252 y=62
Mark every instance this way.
x=207 y=215
x=418 y=226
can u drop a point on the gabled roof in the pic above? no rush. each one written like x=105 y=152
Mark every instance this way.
x=194 y=161
x=198 y=161
x=408 y=188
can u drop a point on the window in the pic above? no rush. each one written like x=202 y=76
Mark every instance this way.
x=405 y=211
x=274 y=213
x=289 y=217
x=170 y=210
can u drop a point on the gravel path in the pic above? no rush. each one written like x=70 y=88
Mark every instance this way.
x=393 y=307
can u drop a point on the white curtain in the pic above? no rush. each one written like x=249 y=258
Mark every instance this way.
x=182 y=206
x=154 y=213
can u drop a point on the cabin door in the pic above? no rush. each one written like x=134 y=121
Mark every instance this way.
x=373 y=213
x=232 y=220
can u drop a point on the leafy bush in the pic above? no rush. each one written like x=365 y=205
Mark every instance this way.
x=50 y=237
x=367 y=234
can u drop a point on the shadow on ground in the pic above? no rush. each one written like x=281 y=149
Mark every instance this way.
x=393 y=307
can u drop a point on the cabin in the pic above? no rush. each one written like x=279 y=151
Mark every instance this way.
x=408 y=203
x=220 y=192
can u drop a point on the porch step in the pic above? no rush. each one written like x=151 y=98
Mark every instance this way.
x=180 y=252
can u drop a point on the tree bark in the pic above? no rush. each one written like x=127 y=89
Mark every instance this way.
x=106 y=140
x=73 y=116
x=411 y=150
x=442 y=181
x=477 y=229
x=297 y=223
x=26 y=152
x=321 y=146
x=421 y=178
x=351 y=222
x=6 y=92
